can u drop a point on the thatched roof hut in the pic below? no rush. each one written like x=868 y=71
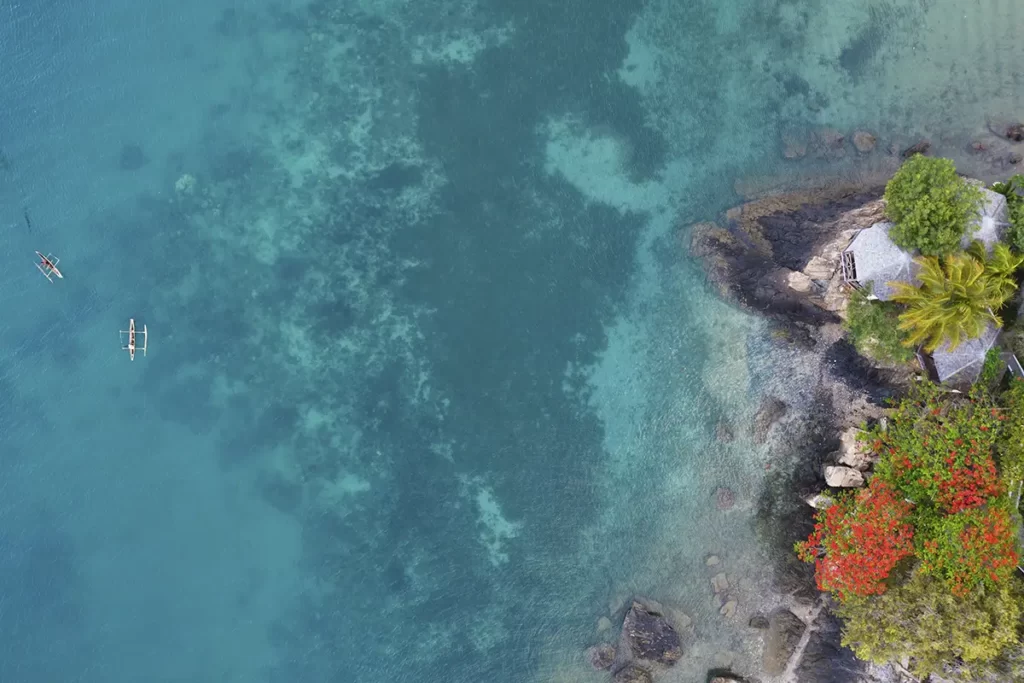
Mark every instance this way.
x=873 y=260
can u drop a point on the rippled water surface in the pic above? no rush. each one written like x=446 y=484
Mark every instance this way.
x=432 y=384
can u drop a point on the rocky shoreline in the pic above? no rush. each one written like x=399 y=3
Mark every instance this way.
x=778 y=257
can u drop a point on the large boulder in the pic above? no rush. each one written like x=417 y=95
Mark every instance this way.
x=648 y=636
x=853 y=452
x=784 y=632
x=631 y=673
x=839 y=476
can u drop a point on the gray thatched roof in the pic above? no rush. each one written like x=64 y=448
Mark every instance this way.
x=878 y=261
x=965 y=362
x=991 y=221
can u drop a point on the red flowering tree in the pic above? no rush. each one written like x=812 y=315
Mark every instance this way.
x=858 y=541
x=938 y=451
x=974 y=546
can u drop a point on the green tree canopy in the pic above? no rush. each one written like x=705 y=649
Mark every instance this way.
x=931 y=205
x=922 y=620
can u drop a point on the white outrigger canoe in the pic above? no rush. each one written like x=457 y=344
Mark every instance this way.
x=48 y=266
x=131 y=346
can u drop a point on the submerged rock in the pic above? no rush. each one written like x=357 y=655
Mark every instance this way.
x=726 y=678
x=921 y=147
x=769 y=412
x=601 y=656
x=864 y=141
x=759 y=621
x=132 y=158
x=648 y=636
x=723 y=432
x=631 y=673
x=794 y=146
x=828 y=143
x=725 y=498
x=1015 y=132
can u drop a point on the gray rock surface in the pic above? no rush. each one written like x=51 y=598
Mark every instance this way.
x=784 y=631
x=601 y=656
x=853 y=452
x=839 y=476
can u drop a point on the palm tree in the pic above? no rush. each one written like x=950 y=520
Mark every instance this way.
x=957 y=296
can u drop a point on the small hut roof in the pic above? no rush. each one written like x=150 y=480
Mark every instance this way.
x=965 y=362
x=991 y=221
x=878 y=261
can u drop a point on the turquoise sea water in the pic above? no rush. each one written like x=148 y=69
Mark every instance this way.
x=432 y=385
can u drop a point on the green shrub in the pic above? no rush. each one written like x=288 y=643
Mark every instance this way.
x=1015 y=206
x=873 y=330
x=1010 y=447
x=931 y=205
x=934 y=446
x=922 y=620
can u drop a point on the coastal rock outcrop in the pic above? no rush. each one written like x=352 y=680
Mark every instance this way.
x=778 y=256
x=784 y=632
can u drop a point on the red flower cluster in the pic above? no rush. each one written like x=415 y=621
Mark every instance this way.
x=857 y=542
x=969 y=485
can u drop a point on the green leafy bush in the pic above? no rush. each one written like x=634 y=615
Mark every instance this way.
x=1015 y=206
x=932 y=437
x=976 y=546
x=920 y=619
x=931 y=205
x=873 y=330
x=938 y=452
x=1010 y=447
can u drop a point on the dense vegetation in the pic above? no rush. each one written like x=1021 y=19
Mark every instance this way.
x=1015 y=207
x=931 y=205
x=873 y=327
x=931 y=542
x=923 y=562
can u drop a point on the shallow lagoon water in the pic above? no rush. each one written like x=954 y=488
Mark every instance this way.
x=432 y=385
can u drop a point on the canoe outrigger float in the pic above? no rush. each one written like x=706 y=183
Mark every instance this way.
x=130 y=346
x=48 y=266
